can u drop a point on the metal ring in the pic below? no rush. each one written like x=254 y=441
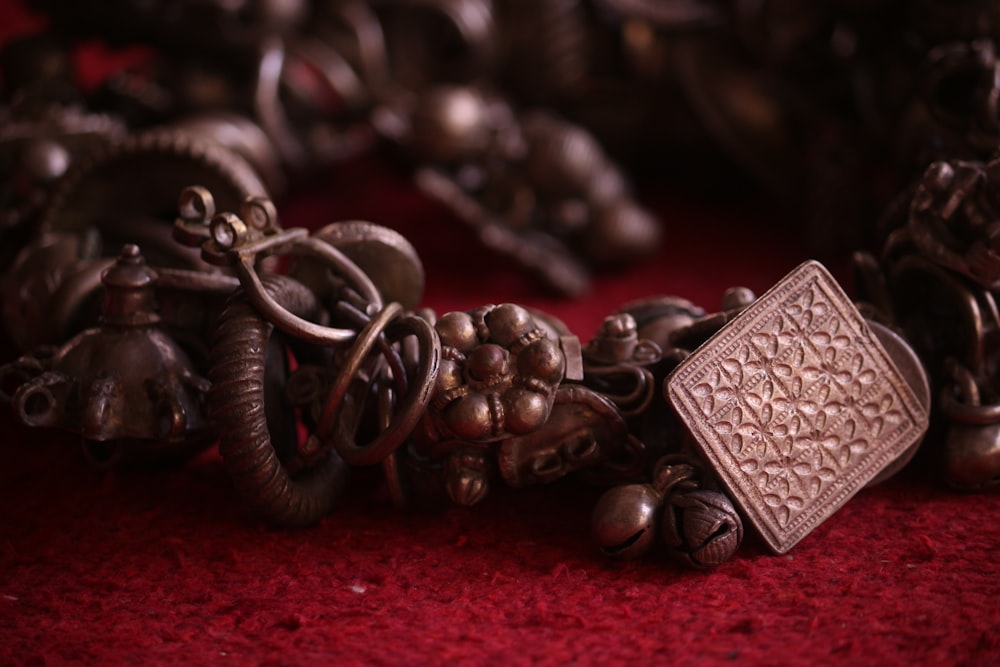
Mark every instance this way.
x=237 y=403
x=277 y=314
x=417 y=395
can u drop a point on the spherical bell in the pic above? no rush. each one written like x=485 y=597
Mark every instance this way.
x=451 y=124
x=701 y=528
x=625 y=520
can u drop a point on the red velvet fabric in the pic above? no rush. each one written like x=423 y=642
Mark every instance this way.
x=168 y=567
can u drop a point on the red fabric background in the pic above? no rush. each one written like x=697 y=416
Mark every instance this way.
x=167 y=567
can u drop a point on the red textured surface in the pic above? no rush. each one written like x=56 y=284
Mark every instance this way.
x=167 y=567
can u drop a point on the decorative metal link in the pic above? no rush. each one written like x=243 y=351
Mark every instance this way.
x=305 y=355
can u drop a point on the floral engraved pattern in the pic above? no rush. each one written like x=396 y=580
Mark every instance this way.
x=797 y=405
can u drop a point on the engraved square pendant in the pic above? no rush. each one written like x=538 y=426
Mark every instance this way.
x=796 y=405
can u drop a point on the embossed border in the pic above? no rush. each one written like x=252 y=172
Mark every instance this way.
x=713 y=444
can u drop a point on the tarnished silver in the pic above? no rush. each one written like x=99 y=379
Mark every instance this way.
x=796 y=405
x=307 y=354
x=49 y=286
x=248 y=371
x=295 y=482
x=549 y=48
x=697 y=525
x=954 y=114
x=617 y=363
x=44 y=132
x=536 y=188
x=136 y=181
x=498 y=380
x=937 y=281
x=126 y=387
x=384 y=255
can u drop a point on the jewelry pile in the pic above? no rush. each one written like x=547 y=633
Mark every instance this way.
x=158 y=306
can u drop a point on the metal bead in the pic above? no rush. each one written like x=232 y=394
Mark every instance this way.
x=482 y=348
x=624 y=522
x=470 y=417
x=508 y=322
x=542 y=359
x=621 y=232
x=45 y=161
x=621 y=325
x=457 y=330
x=449 y=376
x=487 y=365
x=451 y=123
x=525 y=410
x=494 y=394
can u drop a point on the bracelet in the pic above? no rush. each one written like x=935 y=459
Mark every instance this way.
x=307 y=354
